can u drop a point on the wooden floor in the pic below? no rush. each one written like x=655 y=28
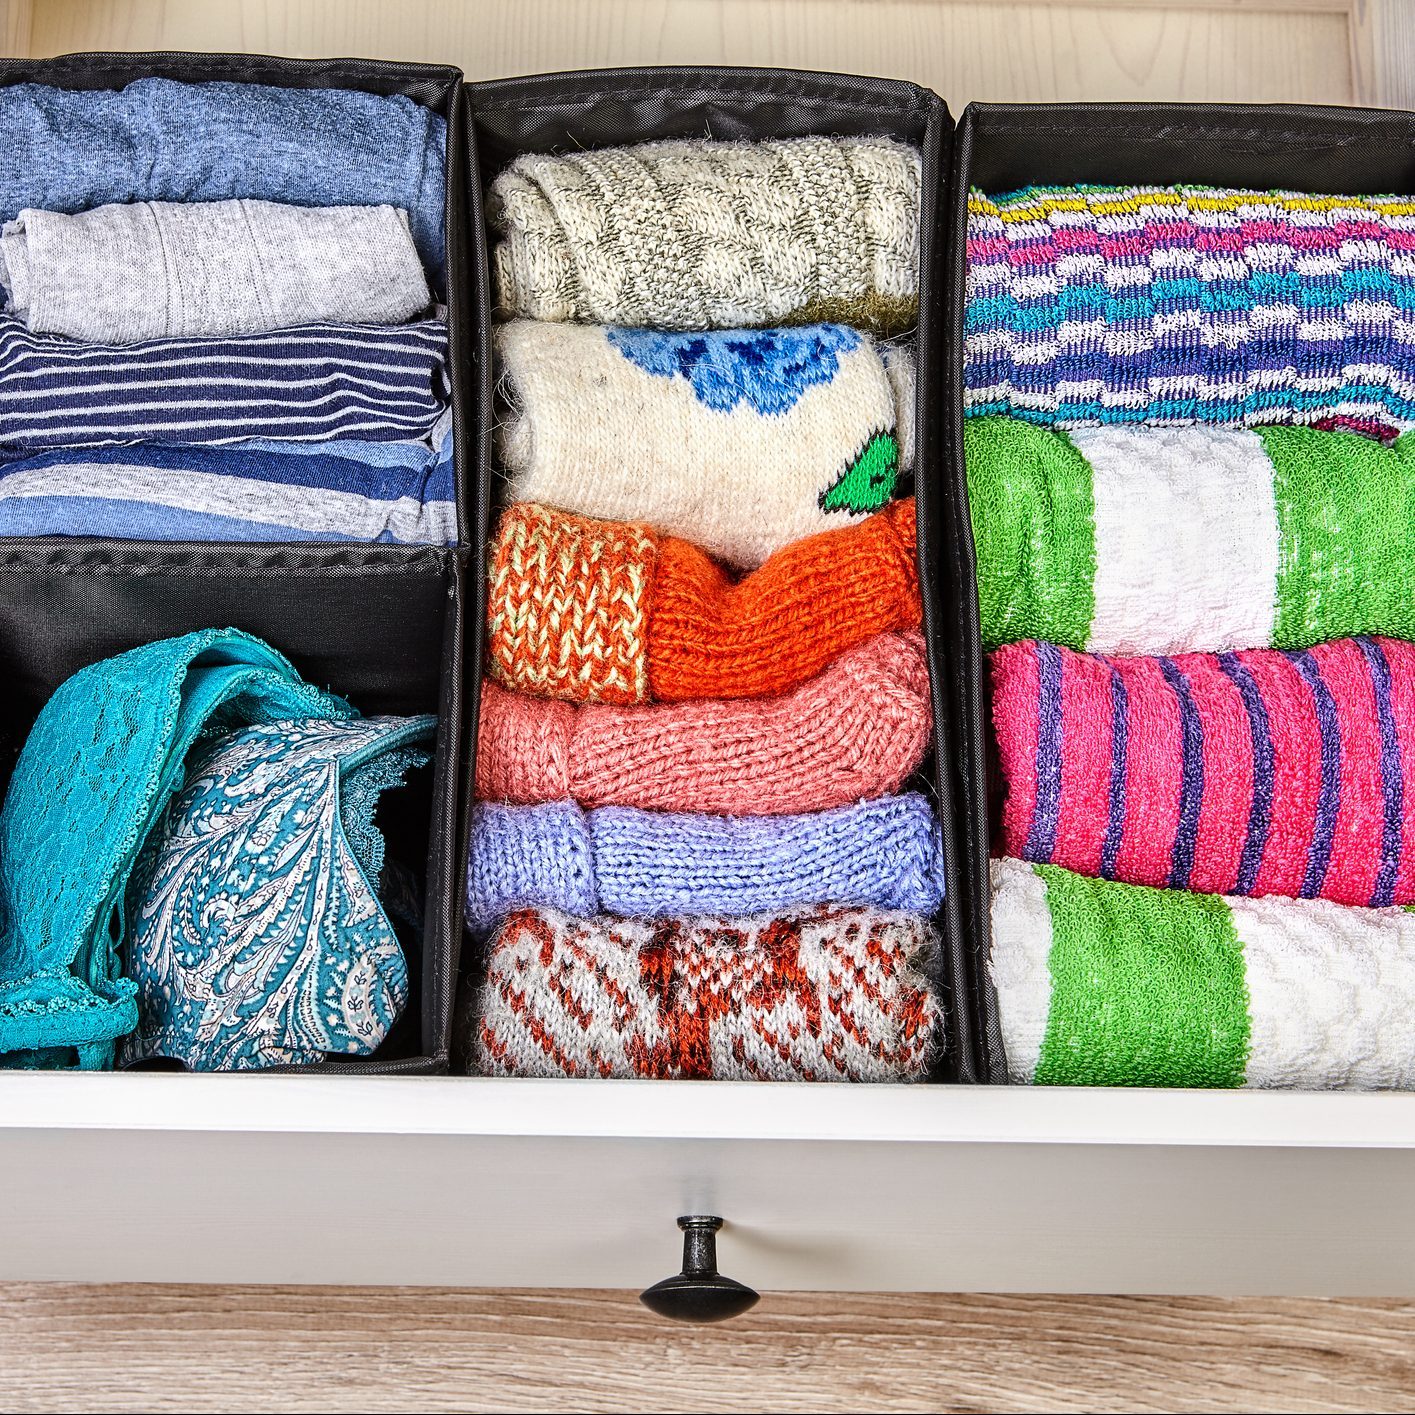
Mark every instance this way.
x=373 y=1349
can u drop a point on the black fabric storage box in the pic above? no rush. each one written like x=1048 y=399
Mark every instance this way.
x=381 y=624
x=616 y=107
x=1001 y=147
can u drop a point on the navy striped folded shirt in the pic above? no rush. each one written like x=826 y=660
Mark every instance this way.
x=254 y=491
x=312 y=382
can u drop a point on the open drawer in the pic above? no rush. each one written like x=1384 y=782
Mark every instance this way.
x=577 y=1184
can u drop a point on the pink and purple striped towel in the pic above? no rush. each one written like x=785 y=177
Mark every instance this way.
x=1262 y=772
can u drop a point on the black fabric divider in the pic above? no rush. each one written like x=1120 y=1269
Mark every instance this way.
x=380 y=624
x=1001 y=147
x=382 y=631
x=613 y=107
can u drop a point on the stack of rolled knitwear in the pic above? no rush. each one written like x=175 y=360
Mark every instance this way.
x=1189 y=465
x=222 y=315
x=696 y=853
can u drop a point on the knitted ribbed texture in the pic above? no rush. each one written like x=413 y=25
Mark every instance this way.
x=145 y=270
x=601 y=611
x=739 y=441
x=620 y=860
x=830 y=995
x=853 y=732
x=1173 y=540
x=1105 y=984
x=1253 y=773
x=697 y=235
x=1183 y=304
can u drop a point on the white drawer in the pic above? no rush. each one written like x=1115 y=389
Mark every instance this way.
x=475 y=1182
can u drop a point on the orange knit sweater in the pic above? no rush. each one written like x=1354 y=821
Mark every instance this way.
x=600 y=611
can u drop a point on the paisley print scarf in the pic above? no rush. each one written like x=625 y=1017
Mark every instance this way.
x=258 y=936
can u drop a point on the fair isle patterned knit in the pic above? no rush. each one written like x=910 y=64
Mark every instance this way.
x=1175 y=540
x=1190 y=304
x=852 y=732
x=608 y=611
x=1103 y=984
x=1261 y=772
x=654 y=864
x=704 y=235
x=829 y=995
x=740 y=441
x=145 y=270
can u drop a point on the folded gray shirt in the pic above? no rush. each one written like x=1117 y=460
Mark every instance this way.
x=153 y=270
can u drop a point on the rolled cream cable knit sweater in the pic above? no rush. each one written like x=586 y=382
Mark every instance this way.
x=824 y=995
x=740 y=441
x=702 y=235
x=153 y=270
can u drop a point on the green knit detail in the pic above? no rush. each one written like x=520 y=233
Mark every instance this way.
x=1029 y=491
x=1346 y=535
x=1147 y=987
x=869 y=481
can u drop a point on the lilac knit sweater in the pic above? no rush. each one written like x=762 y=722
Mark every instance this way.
x=653 y=864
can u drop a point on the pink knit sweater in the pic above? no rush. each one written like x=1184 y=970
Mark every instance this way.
x=853 y=732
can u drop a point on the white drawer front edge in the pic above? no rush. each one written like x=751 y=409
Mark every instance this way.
x=467 y=1182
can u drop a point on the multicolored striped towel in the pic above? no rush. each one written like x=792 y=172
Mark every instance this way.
x=1174 y=540
x=1102 y=984
x=1264 y=772
x=315 y=381
x=245 y=491
x=1190 y=304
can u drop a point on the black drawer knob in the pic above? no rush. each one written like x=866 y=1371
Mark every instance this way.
x=699 y=1293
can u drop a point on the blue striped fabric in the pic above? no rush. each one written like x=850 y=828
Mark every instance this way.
x=312 y=382
x=254 y=491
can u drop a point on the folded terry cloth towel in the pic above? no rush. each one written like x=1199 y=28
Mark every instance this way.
x=1104 y=984
x=160 y=140
x=619 y=860
x=258 y=936
x=244 y=491
x=1190 y=304
x=106 y=755
x=702 y=235
x=740 y=441
x=1173 y=540
x=1264 y=772
x=317 y=381
x=606 y=611
x=853 y=732
x=826 y=995
x=155 y=270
